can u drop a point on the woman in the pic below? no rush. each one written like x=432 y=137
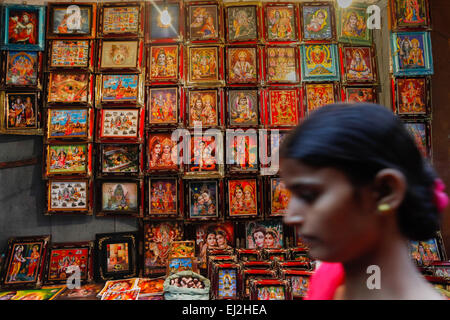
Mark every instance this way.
x=360 y=190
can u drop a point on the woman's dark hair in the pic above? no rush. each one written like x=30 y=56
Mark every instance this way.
x=360 y=140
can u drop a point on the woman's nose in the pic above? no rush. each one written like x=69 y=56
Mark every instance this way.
x=294 y=214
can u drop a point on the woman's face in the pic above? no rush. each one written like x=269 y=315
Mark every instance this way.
x=239 y=193
x=211 y=240
x=259 y=239
x=269 y=241
x=335 y=223
x=220 y=240
x=157 y=149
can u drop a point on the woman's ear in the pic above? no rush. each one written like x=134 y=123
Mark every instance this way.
x=390 y=185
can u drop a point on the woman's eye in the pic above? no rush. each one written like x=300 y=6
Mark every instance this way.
x=306 y=195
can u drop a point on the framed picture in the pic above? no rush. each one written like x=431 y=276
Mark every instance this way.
x=163 y=106
x=269 y=289
x=243 y=108
x=158 y=237
x=270 y=158
x=65 y=258
x=120 y=159
x=121 y=20
x=283 y=105
x=299 y=282
x=203 y=200
x=352 y=24
x=250 y=275
x=23 y=27
x=163 y=22
x=178 y=264
x=20 y=113
x=25 y=260
x=162 y=152
x=203 y=22
x=151 y=286
x=22 y=69
x=242 y=151
x=317 y=21
x=206 y=154
x=163 y=197
x=44 y=293
x=69 y=123
x=69 y=159
x=70 y=54
x=203 y=65
x=411 y=53
x=361 y=94
x=123 y=55
x=242 y=23
x=424 y=253
x=226 y=284
x=182 y=249
x=412 y=96
x=69 y=196
x=85 y=292
x=420 y=131
x=119 y=123
x=280 y=22
x=264 y=234
x=122 y=89
x=359 y=64
x=243 y=198
x=69 y=20
x=163 y=63
x=119 y=286
x=281 y=65
x=212 y=236
x=116 y=255
x=248 y=255
x=203 y=108
x=279 y=197
x=275 y=254
x=69 y=88
x=120 y=197
x=320 y=62
x=122 y=295
x=242 y=64
x=318 y=95
x=406 y=14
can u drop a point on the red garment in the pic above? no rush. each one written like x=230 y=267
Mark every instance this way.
x=325 y=280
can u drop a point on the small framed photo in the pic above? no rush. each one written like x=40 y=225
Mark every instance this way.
x=116 y=255
x=275 y=254
x=204 y=64
x=320 y=62
x=120 y=159
x=424 y=253
x=264 y=234
x=411 y=53
x=122 y=55
x=250 y=275
x=70 y=54
x=66 y=196
x=317 y=21
x=279 y=197
x=71 y=20
x=69 y=88
x=280 y=20
x=282 y=65
x=182 y=249
x=361 y=94
x=120 y=89
x=84 y=292
x=270 y=158
x=300 y=254
x=69 y=159
x=319 y=94
x=20 y=113
x=163 y=62
x=407 y=14
x=163 y=22
x=203 y=108
x=242 y=151
x=119 y=20
x=22 y=69
x=162 y=152
x=204 y=21
x=206 y=154
x=118 y=286
x=25 y=260
x=65 y=258
x=213 y=236
x=283 y=105
x=242 y=23
x=359 y=65
x=178 y=264
x=163 y=197
x=420 y=131
x=352 y=25
x=23 y=27
x=248 y=255
x=243 y=107
x=412 y=96
x=118 y=123
x=203 y=200
x=242 y=65
x=299 y=282
x=243 y=198
x=270 y=289
x=163 y=106
x=226 y=284
x=120 y=197
x=69 y=123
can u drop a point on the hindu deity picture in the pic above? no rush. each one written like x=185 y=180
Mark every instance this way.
x=180 y=264
x=280 y=23
x=160 y=26
x=424 y=253
x=163 y=61
x=205 y=153
x=44 y=293
x=284 y=107
x=203 y=199
x=203 y=22
x=227 y=283
x=120 y=197
x=319 y=62
x=318 y=95
x=411 y=95
x=163 y=106
x=410 y=13
x=65 y=159
x=264 y=234
x=242 y=151
x=119 y=54
x=22 y=68
x=182 y=249
x=21 y=111
x=118 y=285
x=418 y=131
x=117 y=257
x=86 y=291
x=68 y=88
x=120 y=158
x=120 y=20
x=151 y=286
x=24 y=262
x=203 y=64
x=243 y=107
x=242 y=23
x=22 y=26
x=279 y=197
x=242 y=197
x=163 y=196
x=67 y=123
x=271 y=293
x=213 y=236
x=352 y=25
x=317 y=22
x=162 y=152
x=242 y=65
x=71 y=20
x=282 y=64
x=360 y=94
x=299 y=284
x=132 y=294
x=69 y=53
x=68 y=195
x=119 y=123
x=358 y=64
x=62 y=259
x=119 y=87
x=203 y=108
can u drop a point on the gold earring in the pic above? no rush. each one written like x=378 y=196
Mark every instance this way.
x=384 y=207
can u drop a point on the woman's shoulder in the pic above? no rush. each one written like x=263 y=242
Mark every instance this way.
x=325 y=280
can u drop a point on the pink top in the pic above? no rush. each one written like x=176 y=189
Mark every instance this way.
x=325 y=280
